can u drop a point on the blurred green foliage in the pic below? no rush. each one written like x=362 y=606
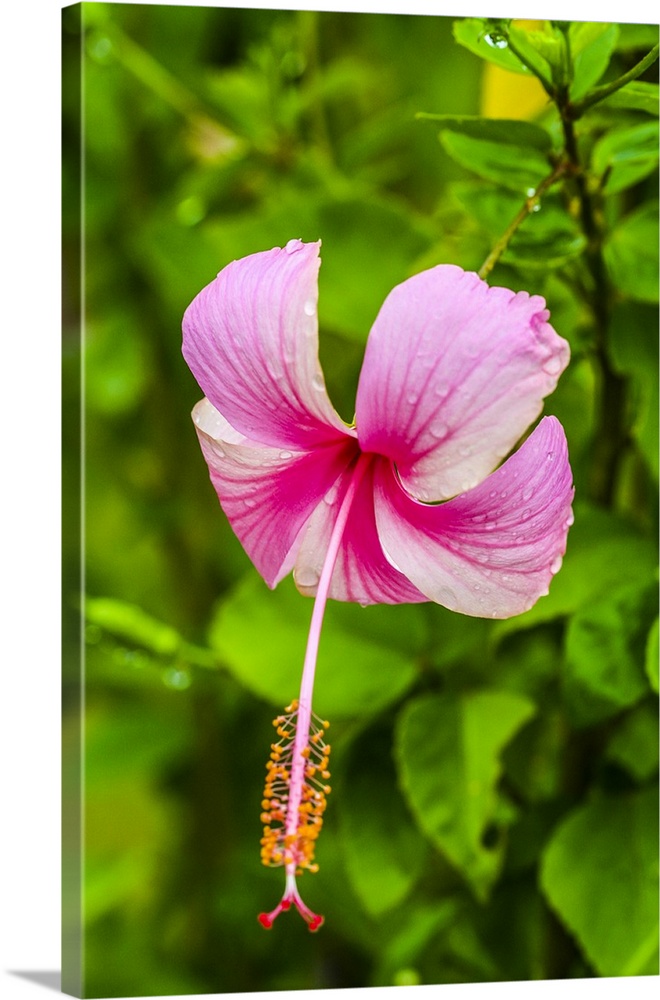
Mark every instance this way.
x=495 y=808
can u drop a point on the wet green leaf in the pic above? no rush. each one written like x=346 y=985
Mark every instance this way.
x=477 y=35
x=600 y=874
x=448 y=751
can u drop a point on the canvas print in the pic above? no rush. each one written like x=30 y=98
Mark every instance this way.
x=360 y=454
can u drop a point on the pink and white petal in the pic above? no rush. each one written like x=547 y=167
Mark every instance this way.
x=490 y=552
x=362 y=571
x=454 y=373
x=251 y=340
x=268 y=494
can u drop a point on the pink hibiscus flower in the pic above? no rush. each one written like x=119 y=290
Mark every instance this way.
x=453 y=375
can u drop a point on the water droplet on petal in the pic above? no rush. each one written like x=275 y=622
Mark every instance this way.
x=439 y=430
x=478 y=518
x=528 y=493
x=492 y=494
x=293 y=245
x=446 y=597
x=555 y=565
x=310 y=308
x=306 y=576
x=318 y=382
x=331 y=495
x=285 y=454
x=570 y=519
x=525 y=514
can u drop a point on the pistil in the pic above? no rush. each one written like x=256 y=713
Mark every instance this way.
x=295 y=792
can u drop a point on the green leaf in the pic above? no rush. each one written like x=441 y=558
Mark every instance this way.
x=631 y=254
x=448 y=751
x=508 y=131
x=515 y=167
x=600 y=874
x=542 y=51
x=633 y=349
x=624 y=156
x=652 y=657
x=592 y=44
x=133 y=625
x=634 y=745
x=603 y=553
x=635 y=96
x=605 y=645
x=261 y=636
x=384 y=851
x=477 y=35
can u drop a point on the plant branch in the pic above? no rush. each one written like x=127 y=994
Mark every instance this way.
x=611 y=435
x=576 y=110
x=529 y=205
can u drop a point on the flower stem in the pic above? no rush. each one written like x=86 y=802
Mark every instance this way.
x=311 y=653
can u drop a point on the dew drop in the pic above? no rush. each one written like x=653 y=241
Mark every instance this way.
x=570 y=519
x=285 y=454
x=306 y=576
x=492 y=494
x=525 y=514
x=530 y=192
x=555 y=565
x=293 y=245
x=331 y=496
x=439 y=430
x=478 y=518
x=310 y=308
x=536 y=207
x=528 y=494
x=496 y=41
x=318 y=382
x=441 y=389
x=446 y=597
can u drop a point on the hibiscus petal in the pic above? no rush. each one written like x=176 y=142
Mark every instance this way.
x=251 y=340
x=362 y=571
x=454 y=373
x=268 y=494
x=492 y=551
